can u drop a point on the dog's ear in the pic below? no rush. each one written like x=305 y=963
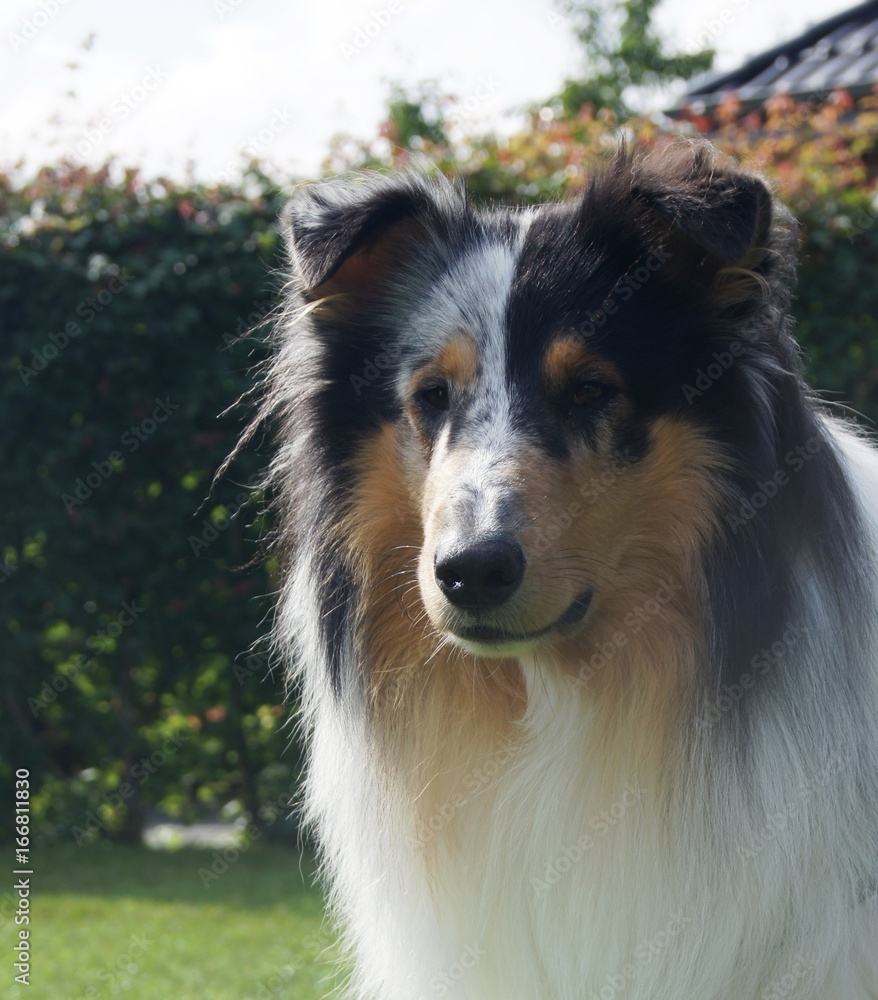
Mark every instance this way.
x=714 y=210
x=347 y=240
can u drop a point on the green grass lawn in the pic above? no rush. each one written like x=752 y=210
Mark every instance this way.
x=140 y=924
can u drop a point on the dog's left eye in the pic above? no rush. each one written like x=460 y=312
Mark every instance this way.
x=588 y=393
x=435 y=396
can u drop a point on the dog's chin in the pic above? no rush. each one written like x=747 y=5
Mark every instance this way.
x=501 y=641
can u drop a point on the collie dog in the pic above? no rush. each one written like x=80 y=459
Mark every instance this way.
x=579 y=591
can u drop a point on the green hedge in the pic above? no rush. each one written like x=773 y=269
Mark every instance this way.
x=130 y=679
x=133 y=678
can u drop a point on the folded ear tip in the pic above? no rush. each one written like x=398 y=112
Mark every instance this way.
x=349 y=229
x=323 y=220
x=706 y=195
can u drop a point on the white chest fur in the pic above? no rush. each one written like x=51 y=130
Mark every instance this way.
x=524 y=878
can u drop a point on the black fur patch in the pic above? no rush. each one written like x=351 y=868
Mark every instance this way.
x=338 y=610
x=637 y=267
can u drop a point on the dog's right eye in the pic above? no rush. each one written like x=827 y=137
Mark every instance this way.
x=435 y=396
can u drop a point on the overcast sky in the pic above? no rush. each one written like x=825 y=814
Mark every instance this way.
x=170 y=82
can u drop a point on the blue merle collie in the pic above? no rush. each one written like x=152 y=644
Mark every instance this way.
x=580 y=591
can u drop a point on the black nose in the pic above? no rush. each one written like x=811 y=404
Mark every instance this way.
x=479 y=574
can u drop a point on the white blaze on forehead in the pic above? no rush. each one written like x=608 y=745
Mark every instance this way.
x=472 y=299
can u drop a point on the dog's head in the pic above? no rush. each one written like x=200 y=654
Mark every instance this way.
x=538 y=412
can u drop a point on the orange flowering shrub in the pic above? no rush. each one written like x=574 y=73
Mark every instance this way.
x=821 y=157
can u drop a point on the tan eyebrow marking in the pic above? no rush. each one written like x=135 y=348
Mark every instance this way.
x=568 y=356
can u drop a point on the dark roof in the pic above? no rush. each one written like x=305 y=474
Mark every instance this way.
x=841 y=51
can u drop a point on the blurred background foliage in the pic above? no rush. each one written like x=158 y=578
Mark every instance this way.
x=133 y=594
x=131 y=679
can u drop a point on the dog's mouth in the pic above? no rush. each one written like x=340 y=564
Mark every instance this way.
x=492 y=635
